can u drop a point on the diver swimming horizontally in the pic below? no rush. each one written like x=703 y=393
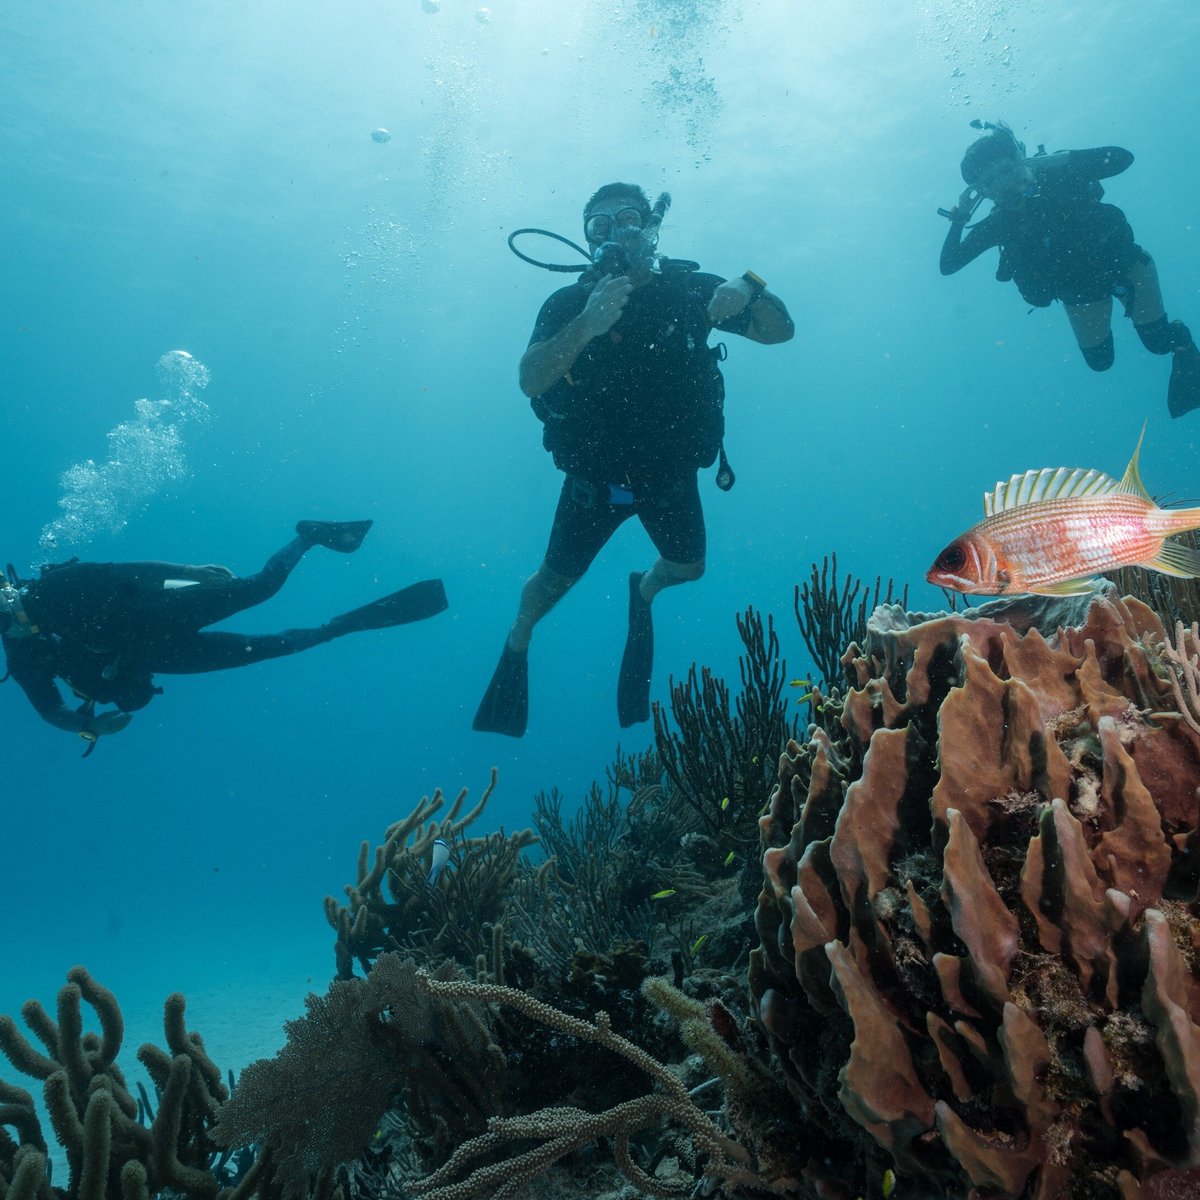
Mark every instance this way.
x=1059 y=242
x=106 y=629
x=620 y=373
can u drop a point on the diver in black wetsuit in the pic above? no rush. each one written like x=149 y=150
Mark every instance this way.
x=1059 y=242
x=620 y=373
x=106 y=628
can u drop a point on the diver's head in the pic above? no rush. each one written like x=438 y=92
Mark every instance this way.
x=995 y=164
x=622 y=229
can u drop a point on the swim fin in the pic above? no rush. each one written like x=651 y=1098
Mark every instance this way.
x=416 y=603
x=343 y=536
x=637 y=663
x=505 y=705
x=1183 y=392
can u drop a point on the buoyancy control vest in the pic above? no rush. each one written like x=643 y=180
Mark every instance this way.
x=644 y=403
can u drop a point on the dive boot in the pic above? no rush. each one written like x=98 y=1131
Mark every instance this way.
x=505 y=705
x=416 y=603
x=1183 y=392
x=633 y=686
x=343 y=536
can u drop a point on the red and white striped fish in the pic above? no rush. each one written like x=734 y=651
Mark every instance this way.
x=1051 y=531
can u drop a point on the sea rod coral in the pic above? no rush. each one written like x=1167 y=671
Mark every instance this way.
x=979 y=933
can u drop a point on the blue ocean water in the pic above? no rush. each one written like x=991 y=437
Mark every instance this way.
x=202 y=177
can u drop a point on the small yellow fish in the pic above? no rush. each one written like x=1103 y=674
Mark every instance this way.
x=729 y=858
x=1051 y=531
x=725 y=804
x=889 y=1183
x=699 y=942
x=663 y=894
x=805 y=698
x=799 y=683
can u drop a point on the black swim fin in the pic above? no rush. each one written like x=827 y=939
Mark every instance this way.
x=416 y=603
x=637 y=663
x=343 y=536
x=1183 y=392
x=505 y=705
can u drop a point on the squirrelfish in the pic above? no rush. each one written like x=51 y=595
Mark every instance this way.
x=1051 y=531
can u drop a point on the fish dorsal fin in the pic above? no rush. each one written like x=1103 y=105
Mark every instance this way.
x=1062 y=483
x=1050 y=483
x=1131 y=482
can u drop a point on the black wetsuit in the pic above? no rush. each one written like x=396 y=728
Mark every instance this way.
x=1060 y=242
x=106 y=628
x=639 y=412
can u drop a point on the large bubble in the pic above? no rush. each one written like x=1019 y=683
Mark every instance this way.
x=145 y=453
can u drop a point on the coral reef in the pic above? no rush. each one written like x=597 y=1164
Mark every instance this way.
x=1184 y=674
x=979 y=926
x=564 y=1129
x=365 y=1046
x=394 y=905
x=97 y=1120
x=720 y=754
x=831 y=616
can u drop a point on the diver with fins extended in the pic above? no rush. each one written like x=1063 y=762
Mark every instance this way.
x=1059 y=242
x=107 y=628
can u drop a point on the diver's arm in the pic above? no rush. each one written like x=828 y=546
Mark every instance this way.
x=546 y=362
x=770 y=321
x=748 y=309
x=32 y=671
x=957 y=251
x=1102 y=162
x=156 y=574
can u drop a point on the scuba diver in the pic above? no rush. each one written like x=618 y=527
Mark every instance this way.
x=1059 y=242
x=620 y=373
x=107 y=628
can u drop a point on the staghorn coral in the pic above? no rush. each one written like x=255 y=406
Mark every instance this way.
x=445 y=920
x=979 y=922
x=95 y=1116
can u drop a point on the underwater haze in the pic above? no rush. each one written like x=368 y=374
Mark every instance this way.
x=312 y=201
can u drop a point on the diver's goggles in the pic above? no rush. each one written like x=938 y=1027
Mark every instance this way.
x=1004 y=171
x=600 y=226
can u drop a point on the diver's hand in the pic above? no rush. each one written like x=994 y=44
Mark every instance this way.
x=106 y=723
x=961 y=212
x=102 y=725
x=604 y=305
x=212 y=573
x=729 y=299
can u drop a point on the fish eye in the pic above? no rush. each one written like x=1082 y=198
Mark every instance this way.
x=952 y=558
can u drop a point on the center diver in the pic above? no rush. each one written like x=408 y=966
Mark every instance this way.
x=1059 y=242
x=630 y=394
x=105 y=629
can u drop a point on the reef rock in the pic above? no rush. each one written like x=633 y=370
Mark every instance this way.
x=979 y=923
